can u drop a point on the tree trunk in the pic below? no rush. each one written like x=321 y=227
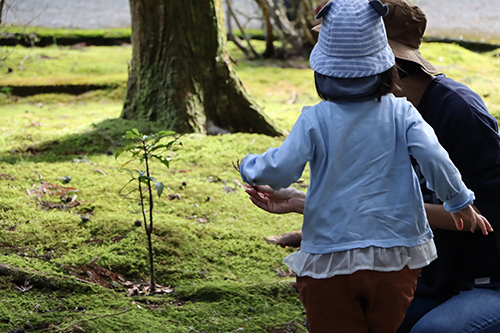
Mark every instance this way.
x=2 y=3
x=269 y=52
x=180 y=73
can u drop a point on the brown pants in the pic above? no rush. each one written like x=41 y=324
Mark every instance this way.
x=363 y=302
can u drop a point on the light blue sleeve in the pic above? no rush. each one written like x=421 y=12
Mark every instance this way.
x=441 y=175
x=280 y=167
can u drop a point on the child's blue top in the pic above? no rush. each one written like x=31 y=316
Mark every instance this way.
x=363 y=189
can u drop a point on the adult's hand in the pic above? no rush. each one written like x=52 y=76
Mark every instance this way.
x=475 y=219
x=285 y=200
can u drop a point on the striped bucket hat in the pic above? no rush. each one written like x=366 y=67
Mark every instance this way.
x=352 y=42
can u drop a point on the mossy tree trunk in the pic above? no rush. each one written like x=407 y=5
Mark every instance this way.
x=181 y=74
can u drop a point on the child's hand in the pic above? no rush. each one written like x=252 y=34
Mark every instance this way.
x=286 y=200
x=475 y=219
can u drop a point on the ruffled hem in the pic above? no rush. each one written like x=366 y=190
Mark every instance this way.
x=322 y=266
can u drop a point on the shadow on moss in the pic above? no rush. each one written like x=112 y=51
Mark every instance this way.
x=105 y=138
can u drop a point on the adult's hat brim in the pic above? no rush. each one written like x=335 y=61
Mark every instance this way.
x=406 y=53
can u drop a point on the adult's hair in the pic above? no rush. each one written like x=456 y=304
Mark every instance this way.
x=386 y=84
x=408 y=68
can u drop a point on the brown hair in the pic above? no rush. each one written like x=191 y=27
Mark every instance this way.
x=388 y=81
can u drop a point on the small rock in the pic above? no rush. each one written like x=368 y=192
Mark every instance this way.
x=175 y=196
x=81 y=309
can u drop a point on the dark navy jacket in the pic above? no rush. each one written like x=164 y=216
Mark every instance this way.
x=470 y=135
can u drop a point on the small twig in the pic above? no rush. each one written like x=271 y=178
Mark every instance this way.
x=111 y=315
x=292 y=98
x=21 y=65
x=38 y=174
x=238 y=184
x=237 y=165
x=101 y=172
x=25 y=287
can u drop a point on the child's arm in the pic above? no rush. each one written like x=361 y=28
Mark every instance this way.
x=280 y=167
x=441 y=174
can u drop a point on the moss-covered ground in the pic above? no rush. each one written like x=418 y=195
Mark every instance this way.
x=209 y=240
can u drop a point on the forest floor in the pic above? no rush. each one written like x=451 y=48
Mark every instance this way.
x=72 y=251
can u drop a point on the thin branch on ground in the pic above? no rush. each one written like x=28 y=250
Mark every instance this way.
x=110 y=315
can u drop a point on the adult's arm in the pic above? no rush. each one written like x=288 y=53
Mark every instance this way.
x=440 y=218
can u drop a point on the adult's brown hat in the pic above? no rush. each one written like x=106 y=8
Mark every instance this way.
x=405 y=25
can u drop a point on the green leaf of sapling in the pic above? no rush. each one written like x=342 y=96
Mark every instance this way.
x=159 y=188
x=126 y=195
x=133 y=159
x=119 y=152
x=165 y=133
x=158 y=147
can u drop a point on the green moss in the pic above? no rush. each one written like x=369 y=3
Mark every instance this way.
x=63 y=65
x=71 y=33
x=210 y=244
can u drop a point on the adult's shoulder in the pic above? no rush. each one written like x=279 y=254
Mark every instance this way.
x=447 y=100
x=444 y=89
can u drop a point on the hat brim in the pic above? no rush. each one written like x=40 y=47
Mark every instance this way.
x=351 y=67
x=407 y=53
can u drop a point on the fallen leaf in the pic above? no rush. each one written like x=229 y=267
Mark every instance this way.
x=6 y=176
x=281 y=272
x=50 y=189
x=228 y=189
x=101 y=172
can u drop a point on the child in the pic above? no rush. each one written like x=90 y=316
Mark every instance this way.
x=365 y=232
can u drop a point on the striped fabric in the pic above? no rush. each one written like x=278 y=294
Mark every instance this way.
x=352 y=41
